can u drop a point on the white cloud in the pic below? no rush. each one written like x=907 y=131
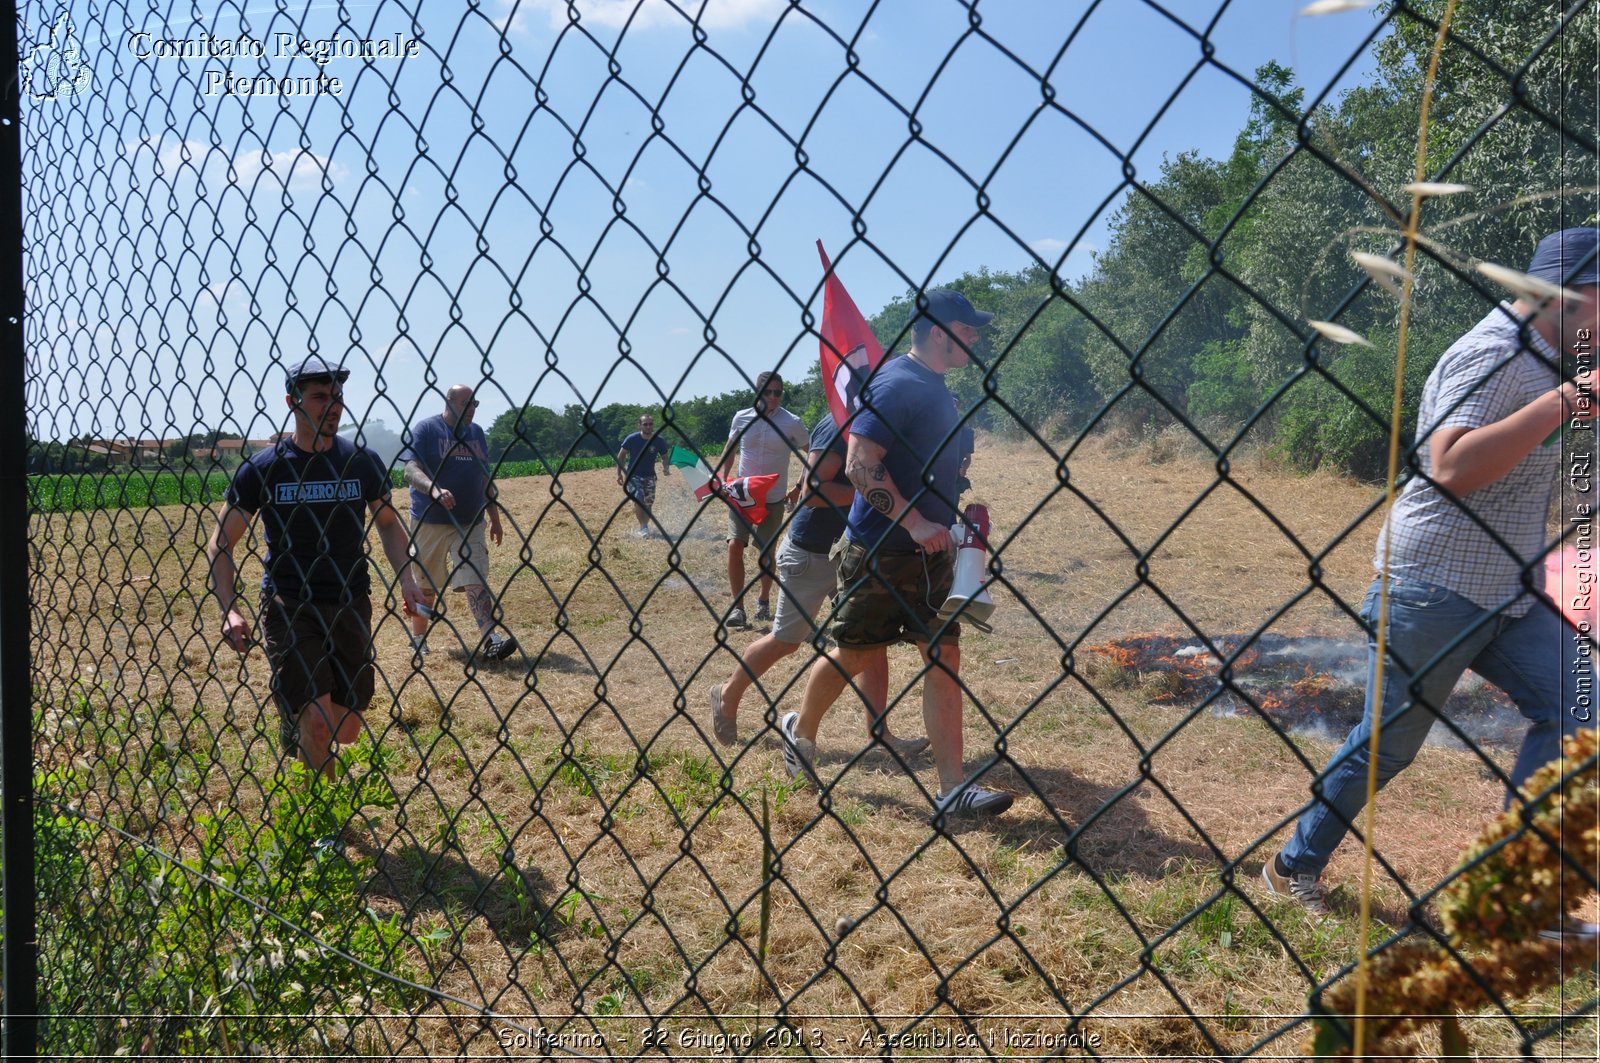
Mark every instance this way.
x=297 y=169
x=1048 y=248
x=614 y=14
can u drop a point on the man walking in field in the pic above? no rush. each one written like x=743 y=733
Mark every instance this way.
x=636 y=470
x=764 y=438
x=806 y=579
x=1463 y=537
x=447 y=468
x=899 y=558
x=313 y=491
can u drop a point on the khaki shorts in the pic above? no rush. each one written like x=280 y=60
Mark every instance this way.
x=448 y=557
x=805 y=581
x=893 y=597
x=766 y=532
x=317 y=648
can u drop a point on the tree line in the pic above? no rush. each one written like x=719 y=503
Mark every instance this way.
x=1195 y=311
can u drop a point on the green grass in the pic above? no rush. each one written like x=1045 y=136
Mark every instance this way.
x=133 y=489
x=142 y=489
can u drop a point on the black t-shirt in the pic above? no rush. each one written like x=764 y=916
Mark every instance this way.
x=816 y=528
x=313 y=510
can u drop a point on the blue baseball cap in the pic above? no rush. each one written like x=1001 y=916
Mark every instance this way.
x=1567 y=257
x=946 y=306
x=314 y=367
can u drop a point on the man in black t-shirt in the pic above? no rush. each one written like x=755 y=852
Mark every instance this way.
x=312 y=491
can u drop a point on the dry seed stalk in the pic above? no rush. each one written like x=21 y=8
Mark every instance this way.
x=1513 y=882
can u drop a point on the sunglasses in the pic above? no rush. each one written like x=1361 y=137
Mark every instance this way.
x=772 y=391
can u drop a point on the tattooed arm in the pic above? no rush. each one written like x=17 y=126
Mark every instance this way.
x=864 y=465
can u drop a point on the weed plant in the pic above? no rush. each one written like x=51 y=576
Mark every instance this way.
x=245 y=938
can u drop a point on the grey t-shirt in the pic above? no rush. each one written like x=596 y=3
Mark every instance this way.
x=1485 y=376
x=766 y=442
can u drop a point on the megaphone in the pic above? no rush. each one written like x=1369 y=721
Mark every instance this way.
x=968 y=594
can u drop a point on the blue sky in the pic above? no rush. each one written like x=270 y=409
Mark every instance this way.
x=505 y=259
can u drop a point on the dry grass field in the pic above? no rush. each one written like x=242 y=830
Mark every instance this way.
x=571 y=848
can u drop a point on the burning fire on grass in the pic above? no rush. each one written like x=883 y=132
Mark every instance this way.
x=1304 y=683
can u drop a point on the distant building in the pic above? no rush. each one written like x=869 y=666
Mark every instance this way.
x=236 y=448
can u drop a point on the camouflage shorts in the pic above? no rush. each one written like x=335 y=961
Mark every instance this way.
x=891 y=597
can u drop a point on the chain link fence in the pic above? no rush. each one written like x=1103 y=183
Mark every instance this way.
x=590 y=211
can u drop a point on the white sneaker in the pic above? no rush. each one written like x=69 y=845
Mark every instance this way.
x=641 y=533
x=798 y=753
x=973 y=800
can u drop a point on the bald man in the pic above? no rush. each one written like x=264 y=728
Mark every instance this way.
x=447 y=468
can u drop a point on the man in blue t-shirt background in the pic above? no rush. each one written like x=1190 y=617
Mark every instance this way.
x=636 y=470
x=452 y=492
x=313 y=491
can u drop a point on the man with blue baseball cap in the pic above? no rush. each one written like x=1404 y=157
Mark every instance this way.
x=898 y=562
x=313 y=490
x=1466 y=542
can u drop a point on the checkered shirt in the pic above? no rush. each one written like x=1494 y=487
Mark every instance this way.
x=1485 y=376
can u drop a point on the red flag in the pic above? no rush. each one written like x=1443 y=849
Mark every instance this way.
x=747 y=495
x=850 y=352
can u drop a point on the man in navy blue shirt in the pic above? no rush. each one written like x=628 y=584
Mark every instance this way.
x=447 y=468
x=806 y=579
x=636 y=470
x=313 y=491
x=904 y=461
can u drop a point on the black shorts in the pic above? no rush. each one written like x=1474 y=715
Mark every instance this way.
x=894 y=597
x=317 y=648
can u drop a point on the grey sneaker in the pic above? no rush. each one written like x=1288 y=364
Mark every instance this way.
x=763 y=611
x=1306 y=890
x=1571 y=929
x=798 y=753
x=725 y=728
x=419 y=645
x=906 y=748
x=968 y=799
x=736 y=618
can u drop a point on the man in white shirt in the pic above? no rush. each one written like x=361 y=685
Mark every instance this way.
x=764 y=437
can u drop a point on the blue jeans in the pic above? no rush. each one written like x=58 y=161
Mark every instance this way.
x=1434 y=636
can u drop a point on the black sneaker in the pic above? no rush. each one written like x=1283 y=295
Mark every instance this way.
x=499 y=647
x=325 y=849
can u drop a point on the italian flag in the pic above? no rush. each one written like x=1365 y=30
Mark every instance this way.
x=747 y=495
